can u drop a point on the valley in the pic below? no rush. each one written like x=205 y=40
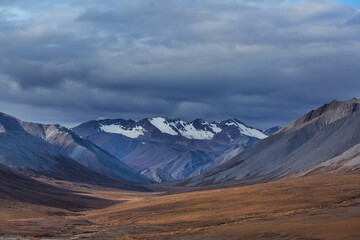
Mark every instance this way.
x=315 y=207
x=302 y=182
x=179 y=120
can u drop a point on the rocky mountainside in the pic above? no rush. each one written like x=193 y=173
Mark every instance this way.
x=56 y=152
x=182 y=149
x=324 y=140
x=83 y=151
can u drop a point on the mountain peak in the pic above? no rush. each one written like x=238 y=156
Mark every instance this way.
x=9 y=123
x=5 y=115
x=233 y=120
x=197 y=129
x=329 y=113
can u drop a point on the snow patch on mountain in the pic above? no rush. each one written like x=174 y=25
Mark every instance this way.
x=118 y=129
x=248 y=131
x=164 y=127
x=197 y=129
x=180 y=148
x=215 y=128
x=189 y=131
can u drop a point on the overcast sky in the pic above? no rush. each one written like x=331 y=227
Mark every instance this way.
x=265 y=62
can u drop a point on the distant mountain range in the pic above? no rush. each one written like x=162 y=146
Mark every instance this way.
x=323 y=141
x=160 y=149
x=177 y=148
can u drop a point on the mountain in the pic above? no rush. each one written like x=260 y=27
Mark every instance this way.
x=182 y=149
x=324 y=140
x=83 y=151
x=23 y=150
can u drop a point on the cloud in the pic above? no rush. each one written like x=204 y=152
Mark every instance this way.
x=264 y=62
x=355 y=20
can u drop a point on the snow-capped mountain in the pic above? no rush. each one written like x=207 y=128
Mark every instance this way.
x=197 y=129
x=183 y=149
x=322 y=141
x=58 y=152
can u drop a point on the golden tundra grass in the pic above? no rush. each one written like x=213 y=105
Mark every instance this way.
x=317 y=207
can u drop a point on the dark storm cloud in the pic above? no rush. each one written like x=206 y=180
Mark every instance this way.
x=264 y=62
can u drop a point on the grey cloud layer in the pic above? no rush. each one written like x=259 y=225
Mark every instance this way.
x=264 y=62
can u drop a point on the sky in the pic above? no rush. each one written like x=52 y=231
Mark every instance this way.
x=265 y=62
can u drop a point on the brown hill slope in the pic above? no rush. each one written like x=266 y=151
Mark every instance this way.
x=32 y=208
x=18 y=188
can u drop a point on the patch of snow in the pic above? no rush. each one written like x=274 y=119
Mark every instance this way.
x=228 y=135
x=248 y=131
x=163 y=126
x=118 y=129
x=190 y=132
x=215 y=128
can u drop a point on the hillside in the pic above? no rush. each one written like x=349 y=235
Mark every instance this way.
x=19 y=188
x=84 y=151
x=34 y=156
x=330 y=132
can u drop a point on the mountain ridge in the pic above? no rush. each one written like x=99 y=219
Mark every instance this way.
x=300 y=146
x=25 y=147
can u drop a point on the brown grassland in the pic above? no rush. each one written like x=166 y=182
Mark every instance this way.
x=313 y=207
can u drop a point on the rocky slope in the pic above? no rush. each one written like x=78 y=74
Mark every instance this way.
x=325 y=139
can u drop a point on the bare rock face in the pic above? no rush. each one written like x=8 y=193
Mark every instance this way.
x=326 y=114
x=322 y=140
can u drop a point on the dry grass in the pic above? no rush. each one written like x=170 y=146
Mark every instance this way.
x=317 y=207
